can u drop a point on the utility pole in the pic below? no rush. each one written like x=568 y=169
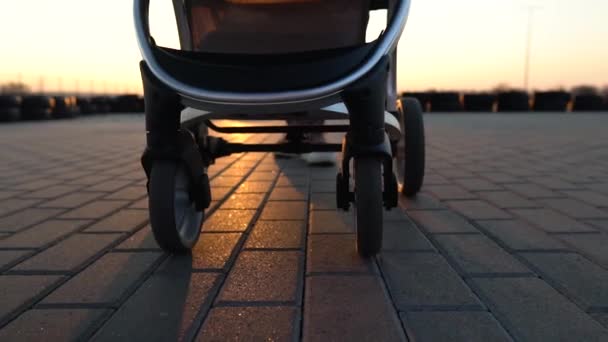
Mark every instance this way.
x=531 y=10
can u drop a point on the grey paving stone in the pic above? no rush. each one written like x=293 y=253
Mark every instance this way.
x=262 y=176
x=52 y=191
x=10 y=256
x=404 y=236
x=449 y=192
x=476 y=254
x=53 y=325
x=72 y=200
x=167 y=307
x=249 y=323
x=348 y=308
x=574 y=208
x=17 y=291
x=478 y=210
x=263 y=276
x=129 y=193
x=420 y=202
x=235 y=172
x=395 y=214
x=581 y=279
x=106 y=280
x=591 y=245
x=37 y=184
x=601 y=224
x=455 y=172
x=441 y=221
x=142 y=239
x=14 y=204
x=125 y=220
x=290 y=181
x=602 y=318
x=331 y=221
x=335 y=253
x=476 y=184
x=226 y=181
x=507 y=199
x=324 y=186
x=42 y=234
x=213 y=251
x=243 y=201
x=277 y=234
x=499 y=177
x=68 y=254
x=5 y=193
x=289 y=194
x=219 y=193
x=283 y=211
x=324 y=173
x=91 y=179
x=256 y=187
x=453 y=326
x=531 y=190
x=552 y=221
x=589 y=196
x=71 y=174
x=110 y=185
x=433 y=179
x=423 y=280
x=553 y=182
x=323 y=201
x=94 y=210
x=533 y=311
x=228 y=221
x=25 y=218
x=519 y=235
x=140 y=204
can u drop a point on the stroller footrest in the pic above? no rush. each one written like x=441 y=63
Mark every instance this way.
x=277 y=129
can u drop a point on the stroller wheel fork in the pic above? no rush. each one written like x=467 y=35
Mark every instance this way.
x=368 y=146
x=178 y=185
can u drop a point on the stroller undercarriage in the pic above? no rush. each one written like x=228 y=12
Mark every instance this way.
x=379 y=150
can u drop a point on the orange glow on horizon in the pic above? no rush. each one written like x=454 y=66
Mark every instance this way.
x=464 y=45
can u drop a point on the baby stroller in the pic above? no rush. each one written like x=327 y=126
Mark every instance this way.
x=277 y=60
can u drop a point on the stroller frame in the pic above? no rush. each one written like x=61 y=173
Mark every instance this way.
x=178 y=153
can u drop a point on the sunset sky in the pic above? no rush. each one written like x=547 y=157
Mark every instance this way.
x=447 y=44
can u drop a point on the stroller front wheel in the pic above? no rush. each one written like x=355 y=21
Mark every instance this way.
x=175 y=221
x=368 y=204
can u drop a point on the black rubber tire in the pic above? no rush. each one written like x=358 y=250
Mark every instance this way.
x=413 y=127
x=161 y=197
x=368 y=205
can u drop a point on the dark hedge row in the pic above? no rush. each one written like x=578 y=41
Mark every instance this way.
x=39 y=107
x=509 y=101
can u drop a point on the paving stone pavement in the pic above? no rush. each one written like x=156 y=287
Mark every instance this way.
x=506 y=242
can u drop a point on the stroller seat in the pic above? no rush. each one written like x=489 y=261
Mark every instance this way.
x=261 y=73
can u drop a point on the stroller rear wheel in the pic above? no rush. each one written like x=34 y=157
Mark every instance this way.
x=411 y=151
x=175 y=221
x=368 y=204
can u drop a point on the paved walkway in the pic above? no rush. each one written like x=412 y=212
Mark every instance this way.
x=508 y=241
